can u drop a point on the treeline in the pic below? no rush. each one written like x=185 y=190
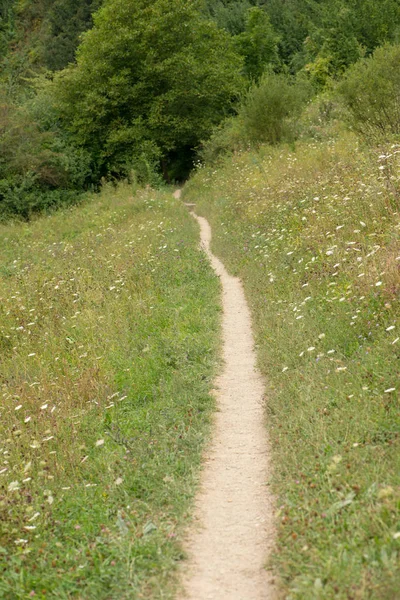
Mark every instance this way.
x=95 y=90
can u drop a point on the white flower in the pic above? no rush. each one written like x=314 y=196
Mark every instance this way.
x=99 y=442
x=13 y=486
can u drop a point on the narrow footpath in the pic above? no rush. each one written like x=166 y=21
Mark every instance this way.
x=233 y=530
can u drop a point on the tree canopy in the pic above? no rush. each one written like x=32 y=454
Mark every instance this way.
x=149 y=75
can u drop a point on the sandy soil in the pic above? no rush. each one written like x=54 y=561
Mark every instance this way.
x=233 y=530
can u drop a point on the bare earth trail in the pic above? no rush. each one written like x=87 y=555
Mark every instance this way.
x=233 y=532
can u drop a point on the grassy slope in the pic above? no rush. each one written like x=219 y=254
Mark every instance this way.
x=108 y=337
x=314 y=233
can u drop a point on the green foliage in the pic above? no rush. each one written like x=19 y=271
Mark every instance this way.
x=227 y=138
x=39 y=34
x=229 y=14
x=258 y=44
x=269 y=108
x=67 y=19
x=333 y=49
x=39 y=166
x=266 y=114
x=371 y=93
x=148 y=72
x=6 y=25
x=329 y=35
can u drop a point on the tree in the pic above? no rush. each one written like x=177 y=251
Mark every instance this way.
x=7 y=17
x=150 y=74
x=66 y=20
x=258 y=44
x=229 y=14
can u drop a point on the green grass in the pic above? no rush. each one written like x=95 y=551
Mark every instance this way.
x=314 y=232
x=109 y=326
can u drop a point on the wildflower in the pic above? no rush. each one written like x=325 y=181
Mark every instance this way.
x=99 y=442
x=35 y=516
x=13 y=486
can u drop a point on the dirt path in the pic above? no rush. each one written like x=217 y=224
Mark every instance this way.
x=234 y=531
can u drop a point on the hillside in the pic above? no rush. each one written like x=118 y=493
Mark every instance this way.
x=108 y=338
x=135 y=403
x=313 y=232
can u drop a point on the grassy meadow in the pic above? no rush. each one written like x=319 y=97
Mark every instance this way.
x=109 y=322
x=314 y=232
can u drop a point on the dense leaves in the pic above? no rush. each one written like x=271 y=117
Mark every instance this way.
x=375 y=115
x=151 y=76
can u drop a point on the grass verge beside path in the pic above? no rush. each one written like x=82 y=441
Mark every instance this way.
x=315 y=235
x=109 y=338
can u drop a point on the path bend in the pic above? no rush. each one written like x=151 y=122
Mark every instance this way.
x=233 y=533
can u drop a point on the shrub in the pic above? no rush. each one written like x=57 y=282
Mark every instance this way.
x=228 y=137
x=269 y=108
x=371 y=93
x=266 y=115
x=39 y=166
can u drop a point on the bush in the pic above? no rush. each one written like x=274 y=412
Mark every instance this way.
x=371 y=93
x=266 y=116
x=227 y=138
x=21 y=197
x=270 y=107
x=39 y=166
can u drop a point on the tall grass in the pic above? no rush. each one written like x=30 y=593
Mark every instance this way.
x=108 y=329
x=314 y=233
